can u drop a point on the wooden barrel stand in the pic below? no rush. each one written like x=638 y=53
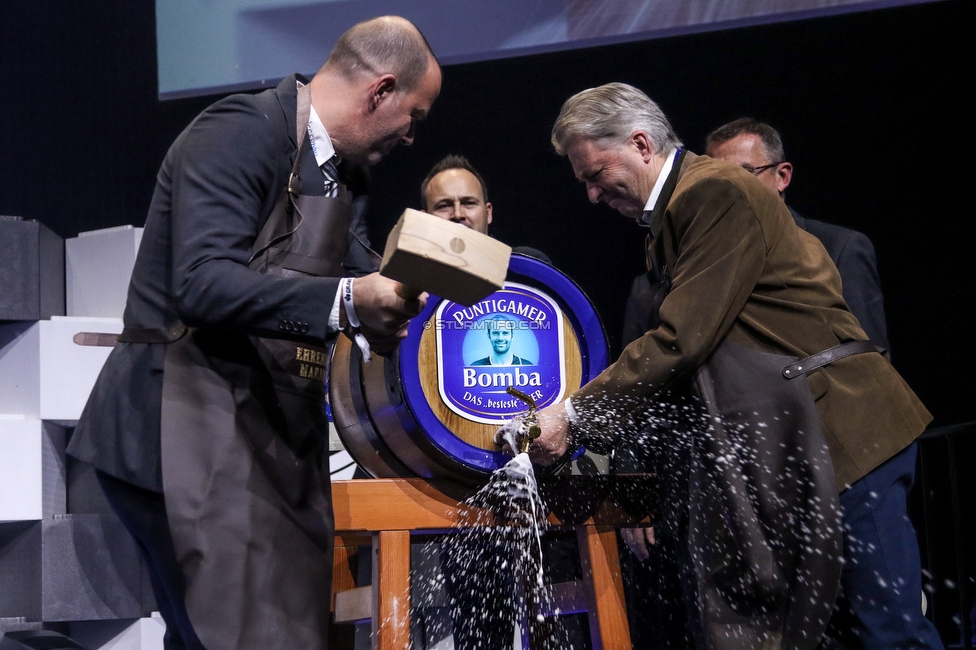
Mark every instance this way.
x=385 y=513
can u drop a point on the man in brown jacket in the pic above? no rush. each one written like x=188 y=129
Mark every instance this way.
x=766 y=398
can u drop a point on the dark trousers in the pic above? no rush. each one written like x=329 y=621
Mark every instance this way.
x=486 y=591
x=143 y=513
x=656 y=608
x=482 y=595
x=880 y=606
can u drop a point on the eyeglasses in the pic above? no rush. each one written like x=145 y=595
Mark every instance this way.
x=761 y=168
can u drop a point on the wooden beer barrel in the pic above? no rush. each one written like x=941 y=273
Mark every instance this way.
x=431 y=409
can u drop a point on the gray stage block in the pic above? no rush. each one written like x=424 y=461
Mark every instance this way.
x=31 y=270
x=43 y=639
x=20 y=571
x=18 y=624
x=54 y=487
x=142 y=634
x=48 y=367
x=90 y=570
x=85 y=496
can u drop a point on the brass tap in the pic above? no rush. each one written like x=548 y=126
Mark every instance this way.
x=529 y=429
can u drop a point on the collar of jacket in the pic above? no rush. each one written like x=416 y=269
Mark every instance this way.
x=655 y=220
x=287 y=93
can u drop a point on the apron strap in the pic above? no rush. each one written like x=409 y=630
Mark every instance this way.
x=304 y=105
x=152 y=334
x=821 y=359
x=280 y=225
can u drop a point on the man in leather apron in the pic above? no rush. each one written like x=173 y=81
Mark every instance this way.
x=206 y=425
x=764 y=395
x=880 y=605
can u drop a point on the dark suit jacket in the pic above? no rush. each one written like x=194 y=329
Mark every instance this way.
x=214 y=192
x=742 y=271
x=854 y=256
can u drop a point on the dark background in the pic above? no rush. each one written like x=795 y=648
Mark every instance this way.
x=871 y=106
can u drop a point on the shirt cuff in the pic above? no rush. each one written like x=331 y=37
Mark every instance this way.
x=571 y=414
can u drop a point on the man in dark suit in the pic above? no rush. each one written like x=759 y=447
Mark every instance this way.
x=480 y=594
x=767 y=396
x=758 y=148
x=206 y=425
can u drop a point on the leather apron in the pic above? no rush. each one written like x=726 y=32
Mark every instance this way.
x=751 y=500
x=245 y=452
x=764 y=520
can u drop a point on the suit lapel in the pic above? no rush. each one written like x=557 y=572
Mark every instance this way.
x=659 y=275
x=656 y=220
x=287 y=94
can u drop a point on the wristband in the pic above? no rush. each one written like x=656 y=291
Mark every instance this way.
x=345 y=287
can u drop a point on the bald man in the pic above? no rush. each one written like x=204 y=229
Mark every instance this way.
x=206 y=425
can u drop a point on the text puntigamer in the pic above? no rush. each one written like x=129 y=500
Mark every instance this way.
x=502 y=307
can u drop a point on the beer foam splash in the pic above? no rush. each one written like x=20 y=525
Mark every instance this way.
x=492 y=576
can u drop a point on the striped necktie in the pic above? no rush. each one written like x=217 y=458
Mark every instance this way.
x=331 y=176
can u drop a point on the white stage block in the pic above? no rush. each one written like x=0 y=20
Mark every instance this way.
x=141 y=634
x=32 y=469
x=47 y=371
x=21 y=476
x=341 y=465
x=98 y=266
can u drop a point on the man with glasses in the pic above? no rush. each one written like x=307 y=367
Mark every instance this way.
x=758 y=148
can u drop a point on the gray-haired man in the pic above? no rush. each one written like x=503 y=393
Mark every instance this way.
x=750 y=490
x=881 y=592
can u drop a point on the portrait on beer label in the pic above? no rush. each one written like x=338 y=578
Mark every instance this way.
x=514 y=337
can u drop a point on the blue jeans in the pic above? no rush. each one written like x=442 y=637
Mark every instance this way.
x=880 y=605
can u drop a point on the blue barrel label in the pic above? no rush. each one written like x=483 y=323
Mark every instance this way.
x=514 y=337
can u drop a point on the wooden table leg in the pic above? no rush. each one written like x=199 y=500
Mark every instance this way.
x=601 y=571
x=391 y=590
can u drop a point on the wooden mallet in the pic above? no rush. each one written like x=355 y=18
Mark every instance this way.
x=425 y=253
